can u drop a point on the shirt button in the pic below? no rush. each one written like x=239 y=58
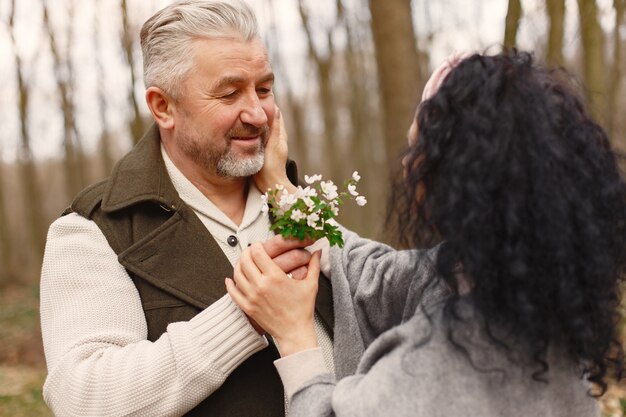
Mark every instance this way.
x=232 y=240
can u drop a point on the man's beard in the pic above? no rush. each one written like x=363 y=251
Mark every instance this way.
x=223 y=161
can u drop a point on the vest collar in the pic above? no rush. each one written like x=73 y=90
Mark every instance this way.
x=141 y=176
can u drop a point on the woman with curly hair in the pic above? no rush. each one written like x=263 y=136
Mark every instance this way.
x=514 y=308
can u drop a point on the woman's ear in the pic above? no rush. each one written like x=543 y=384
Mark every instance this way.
x=161 y=107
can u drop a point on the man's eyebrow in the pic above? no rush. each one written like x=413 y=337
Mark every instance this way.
x=228 y=81
x=234 y=80
x=266 y=78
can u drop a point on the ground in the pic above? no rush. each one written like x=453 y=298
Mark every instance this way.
x=22 y=364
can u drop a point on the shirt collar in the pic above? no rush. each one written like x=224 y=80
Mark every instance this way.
x=194 y=198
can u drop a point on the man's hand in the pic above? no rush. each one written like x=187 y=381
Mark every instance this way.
x=289 y=255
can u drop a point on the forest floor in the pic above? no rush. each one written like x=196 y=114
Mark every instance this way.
x=22 y=363
x=23 y=368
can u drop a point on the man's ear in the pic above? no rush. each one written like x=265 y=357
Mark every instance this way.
x=161 y=107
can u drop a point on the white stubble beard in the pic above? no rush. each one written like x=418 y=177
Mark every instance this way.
x=230 y=165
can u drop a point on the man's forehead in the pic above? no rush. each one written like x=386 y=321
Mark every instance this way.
x=227 y=57
x=227 y=44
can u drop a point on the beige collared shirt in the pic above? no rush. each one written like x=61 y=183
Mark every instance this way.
x=254 y=227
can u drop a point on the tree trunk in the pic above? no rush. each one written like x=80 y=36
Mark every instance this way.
x=74 y=166
x=105 y=136
x=32 y=193
x=136 y=124
x=6 y=248
x=556 y=17
x=615 y=80
x=594 y=63
x=513 y=16
x=398 y=70
x=324 y=67
x=364 y=132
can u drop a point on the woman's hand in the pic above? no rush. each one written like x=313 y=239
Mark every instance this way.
x=284 y=307
x=276 y=149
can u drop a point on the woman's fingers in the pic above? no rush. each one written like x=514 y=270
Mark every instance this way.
x=246 y=274
x=247 y=265
x=313 y=272
x=235 y=293
x=263 y=262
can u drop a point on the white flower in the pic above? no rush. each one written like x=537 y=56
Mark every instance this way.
x=286 y=200
x=312 y=219
x=297 y=215
x=329 y=189
x=305 y=192
x=300 y=215
x=309 y=202
x=312 y=178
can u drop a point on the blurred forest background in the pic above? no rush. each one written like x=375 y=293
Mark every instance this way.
x=349 y=73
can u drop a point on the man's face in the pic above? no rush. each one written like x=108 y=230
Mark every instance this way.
x=222 y=118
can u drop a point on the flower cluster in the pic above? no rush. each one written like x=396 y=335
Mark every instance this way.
x=310 y=212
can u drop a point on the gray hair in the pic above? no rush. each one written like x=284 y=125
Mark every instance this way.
x=167 y=37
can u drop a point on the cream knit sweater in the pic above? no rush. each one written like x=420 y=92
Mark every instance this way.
x=95 y=336
x=99 y=360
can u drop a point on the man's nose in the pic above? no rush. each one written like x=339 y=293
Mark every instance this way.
x=253 y=112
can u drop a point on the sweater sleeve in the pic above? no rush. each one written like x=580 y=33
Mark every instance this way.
x=297 y=368
x=95 y=336
x=385 y=285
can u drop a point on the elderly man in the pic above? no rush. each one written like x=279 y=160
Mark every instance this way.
x=134 y=312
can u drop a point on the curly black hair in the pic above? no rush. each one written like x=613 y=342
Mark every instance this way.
x=510 y=171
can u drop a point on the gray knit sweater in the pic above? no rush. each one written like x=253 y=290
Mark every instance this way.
x=394 y=360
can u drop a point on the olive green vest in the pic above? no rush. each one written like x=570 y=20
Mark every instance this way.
x=179 y=269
